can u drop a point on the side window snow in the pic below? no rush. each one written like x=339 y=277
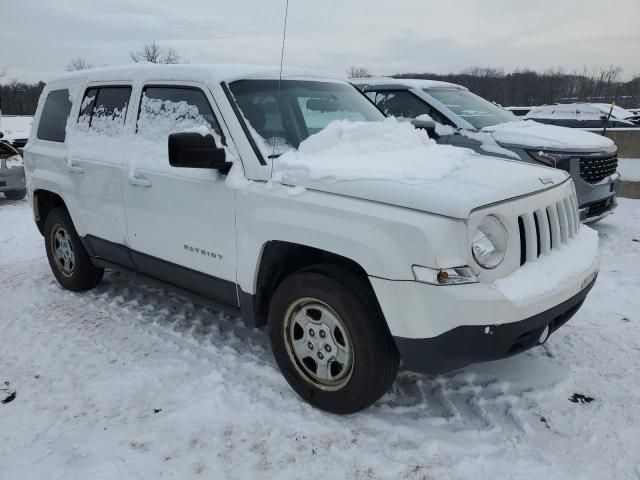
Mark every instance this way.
x=104 y=109
x=165 y=110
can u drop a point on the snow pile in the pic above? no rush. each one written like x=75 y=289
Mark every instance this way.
x=537 y=135
x=551 y=271
x=390 y=150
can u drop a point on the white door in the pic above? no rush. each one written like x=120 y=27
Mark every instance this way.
x=180 y=221
x=97 y=174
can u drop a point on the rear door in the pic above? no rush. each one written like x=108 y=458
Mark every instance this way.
x=95 y=163
x=180 y=221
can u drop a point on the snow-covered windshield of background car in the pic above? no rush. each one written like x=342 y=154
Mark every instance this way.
x=284 y=117
x=472 y=108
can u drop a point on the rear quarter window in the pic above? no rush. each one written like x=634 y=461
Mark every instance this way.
x=53 y=120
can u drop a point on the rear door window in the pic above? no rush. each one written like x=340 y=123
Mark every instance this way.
x=55 y=114
x=170 y=109
x=104 y=109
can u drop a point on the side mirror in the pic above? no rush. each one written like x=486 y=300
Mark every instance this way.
x=193 y=150
x=426 y=123
x=1 y=134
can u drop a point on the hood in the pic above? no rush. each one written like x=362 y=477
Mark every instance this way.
x=401 y=166
x=530 y=134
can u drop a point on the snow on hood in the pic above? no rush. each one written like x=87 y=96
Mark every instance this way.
x=392 y=162
x=532 y=134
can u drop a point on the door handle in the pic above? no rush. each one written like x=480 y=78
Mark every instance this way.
x=74 y=168
x=139 y=181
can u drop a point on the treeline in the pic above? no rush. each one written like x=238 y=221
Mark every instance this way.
x=528 y=88
x=18 y=98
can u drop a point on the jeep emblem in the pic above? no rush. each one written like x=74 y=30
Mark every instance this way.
x=545 y=180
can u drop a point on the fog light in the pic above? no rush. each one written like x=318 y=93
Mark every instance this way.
x=544 y=335
x=583 y=213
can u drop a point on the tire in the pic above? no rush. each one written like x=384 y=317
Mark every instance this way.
x=317 y=297
x=15 y=194
x=69 y=260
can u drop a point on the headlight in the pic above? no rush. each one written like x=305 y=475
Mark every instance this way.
x=549 y=159
x=490 y=242
x=14 y=161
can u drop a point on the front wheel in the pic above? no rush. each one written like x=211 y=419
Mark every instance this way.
x=330 y=339
x=69 y=261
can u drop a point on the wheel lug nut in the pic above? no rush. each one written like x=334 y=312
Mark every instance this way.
x=310 y=345
x=327 y=348
x=312 y=332
x=322 y=334
x=320 y=355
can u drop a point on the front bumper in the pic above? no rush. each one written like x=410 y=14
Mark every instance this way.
x=469 y=344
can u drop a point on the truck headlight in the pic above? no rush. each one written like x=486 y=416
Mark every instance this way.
x=551 y=159
x=490 y=242
x=14 y=161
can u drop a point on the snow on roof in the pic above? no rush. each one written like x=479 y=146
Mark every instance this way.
x=404 y=82
x=185 y=72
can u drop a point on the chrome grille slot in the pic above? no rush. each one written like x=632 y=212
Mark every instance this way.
x=545 y=232
x=564 y=224
x=547 y=228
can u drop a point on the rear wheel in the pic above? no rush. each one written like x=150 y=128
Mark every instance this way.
x=67 y=256
x=15 y=194
x=330 y=339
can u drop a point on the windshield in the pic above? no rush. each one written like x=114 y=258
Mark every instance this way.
x=472 y=108
x=304 y=108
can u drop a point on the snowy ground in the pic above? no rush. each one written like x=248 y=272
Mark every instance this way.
x=133 y=382
x=629 y=169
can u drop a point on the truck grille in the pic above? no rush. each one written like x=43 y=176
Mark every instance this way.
x=547 y=228
x=595 y=169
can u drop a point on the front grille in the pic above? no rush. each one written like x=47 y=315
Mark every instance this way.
x=547 y=228
x=595 y=169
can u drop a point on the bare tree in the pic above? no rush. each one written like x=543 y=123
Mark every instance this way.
x=154 y=53
x=77 y=64
x=358 y=72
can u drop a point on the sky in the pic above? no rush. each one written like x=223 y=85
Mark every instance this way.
x=38 y=38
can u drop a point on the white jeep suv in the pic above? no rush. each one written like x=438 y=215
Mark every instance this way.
x=294 y=204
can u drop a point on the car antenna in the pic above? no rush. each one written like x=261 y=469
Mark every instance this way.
x=284 y=37
x=606 y=122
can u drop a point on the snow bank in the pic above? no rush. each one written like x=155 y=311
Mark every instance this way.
x=629 y=169
x=537 y=135
x=551 y=271
x=390 y=150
